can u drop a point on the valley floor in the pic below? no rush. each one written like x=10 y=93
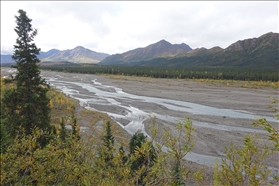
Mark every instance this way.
x=234 y=95
x=210 y=141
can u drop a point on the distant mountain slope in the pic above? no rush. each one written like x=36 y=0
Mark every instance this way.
x=261 y=52
x=76 y=55
x=6 y=59
x=48 y=53
x=156 y=50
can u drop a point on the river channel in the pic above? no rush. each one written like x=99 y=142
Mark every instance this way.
x=132 y=111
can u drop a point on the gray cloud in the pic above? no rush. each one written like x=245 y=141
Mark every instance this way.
x=115 y=27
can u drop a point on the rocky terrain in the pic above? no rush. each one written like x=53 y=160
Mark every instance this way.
x=213 y=132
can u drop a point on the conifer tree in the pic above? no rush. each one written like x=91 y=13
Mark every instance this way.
x=147 y=159
x=63 y=132
x=27 y=105
x=75 y=129
x=136 y=141
x=108 y=140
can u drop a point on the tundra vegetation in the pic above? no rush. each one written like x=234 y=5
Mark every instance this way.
x=32 y=154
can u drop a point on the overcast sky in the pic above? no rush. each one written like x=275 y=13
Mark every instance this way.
x=116 y=27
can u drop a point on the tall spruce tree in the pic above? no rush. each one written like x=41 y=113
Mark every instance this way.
x=108 y=140
x=26 y=106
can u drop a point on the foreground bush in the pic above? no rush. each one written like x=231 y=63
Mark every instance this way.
x=151 y=160
x=67 y=161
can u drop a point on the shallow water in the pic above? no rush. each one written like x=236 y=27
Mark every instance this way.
x=121 y=105
x=99 y=97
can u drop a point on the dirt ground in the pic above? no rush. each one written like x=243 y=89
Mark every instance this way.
x=219 y=94
x=215 y=94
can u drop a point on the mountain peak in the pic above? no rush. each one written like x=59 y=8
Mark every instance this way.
x=78 y=54
x=161 y=49
x=251 y=45
x=163 y=41
x=53 y=50
x=79 y=47
x=183 y=44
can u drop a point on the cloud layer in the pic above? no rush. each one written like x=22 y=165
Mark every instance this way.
x=116 y=27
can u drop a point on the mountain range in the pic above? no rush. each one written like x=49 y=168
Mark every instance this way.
x=78 y=54
x=252 y=53
x=160 y=49
x=258 y=52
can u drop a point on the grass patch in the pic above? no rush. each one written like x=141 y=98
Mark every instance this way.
x=239 y=83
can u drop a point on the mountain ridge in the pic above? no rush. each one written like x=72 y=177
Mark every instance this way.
x=258 y=52
x=78 y=54
x=161 y=48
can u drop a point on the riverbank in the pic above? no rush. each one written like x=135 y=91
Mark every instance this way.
x=209 y=140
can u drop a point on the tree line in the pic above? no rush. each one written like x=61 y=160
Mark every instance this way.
x=267 y=74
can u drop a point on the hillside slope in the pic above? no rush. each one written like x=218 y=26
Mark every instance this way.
x=77 y=55
x=156 y=50
x=261 y=52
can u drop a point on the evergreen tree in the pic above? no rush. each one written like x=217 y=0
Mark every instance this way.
x=108 y=137
x=75 y=129
x=136 y=141
x=26 y=106
x=63 y=131
x=145 y=159
x=108 y=143
x=122 y=154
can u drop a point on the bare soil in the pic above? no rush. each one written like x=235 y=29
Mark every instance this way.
x=211 y=93
x=215 y=94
